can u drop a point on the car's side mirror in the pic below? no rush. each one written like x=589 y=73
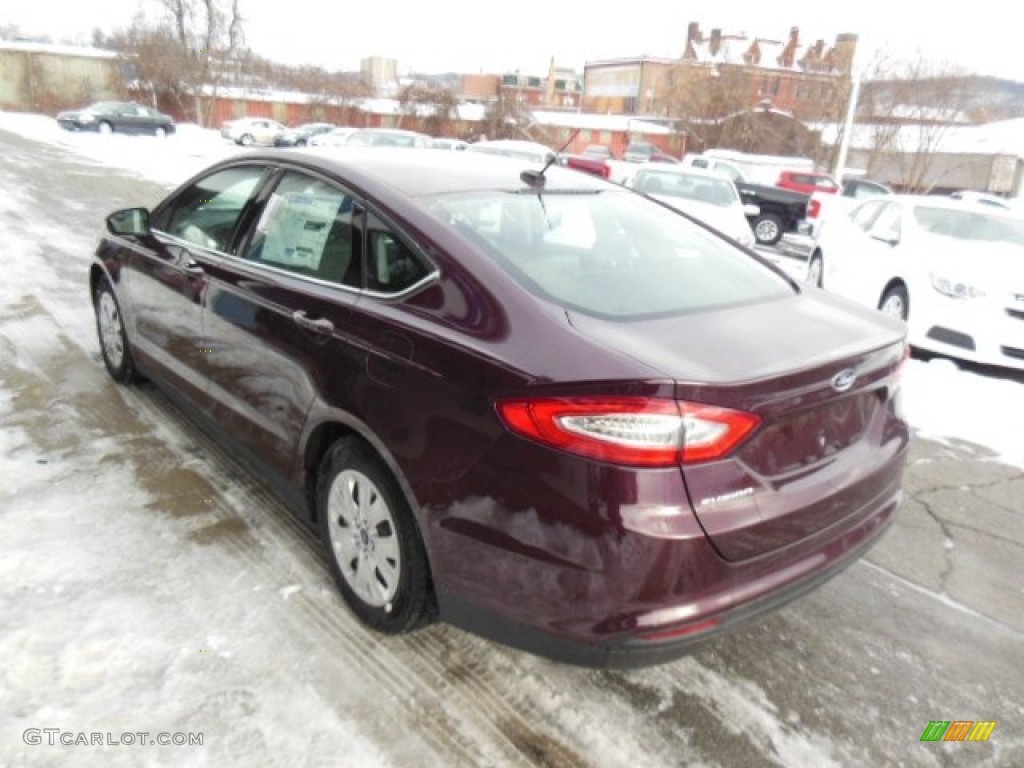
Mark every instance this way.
x=130 y=222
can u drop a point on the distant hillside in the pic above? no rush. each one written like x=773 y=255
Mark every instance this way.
x=968 y=99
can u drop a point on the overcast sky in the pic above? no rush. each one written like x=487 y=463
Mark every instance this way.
x=456 y=35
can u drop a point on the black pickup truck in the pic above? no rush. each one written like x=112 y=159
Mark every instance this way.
x=780 y=210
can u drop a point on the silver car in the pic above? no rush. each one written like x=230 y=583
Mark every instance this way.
x=248 y=131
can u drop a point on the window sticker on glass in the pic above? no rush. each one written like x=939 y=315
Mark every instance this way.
x=297 y=230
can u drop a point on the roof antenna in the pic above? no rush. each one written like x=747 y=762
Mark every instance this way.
x=536 y=178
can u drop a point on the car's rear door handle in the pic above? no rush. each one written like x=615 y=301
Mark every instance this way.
x=318 y=325
x=192 y=267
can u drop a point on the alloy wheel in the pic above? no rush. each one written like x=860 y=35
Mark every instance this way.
x=364 y=538
x=111 y=329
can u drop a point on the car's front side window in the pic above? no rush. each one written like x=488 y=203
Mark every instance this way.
x=207 y=212
x=310 y=228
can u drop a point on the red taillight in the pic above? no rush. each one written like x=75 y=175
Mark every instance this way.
x=606 y=170
x=712 y=432
x=813 y=208
x=630 y=430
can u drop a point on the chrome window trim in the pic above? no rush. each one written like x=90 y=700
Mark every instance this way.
x=257 y=266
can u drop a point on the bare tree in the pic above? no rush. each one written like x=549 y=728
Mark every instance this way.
x=701 y=96
x=505 y=119
x=907 y=109
x=435 y=106
x=186 y=55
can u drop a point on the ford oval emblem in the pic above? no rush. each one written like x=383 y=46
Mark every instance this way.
x=843 y=380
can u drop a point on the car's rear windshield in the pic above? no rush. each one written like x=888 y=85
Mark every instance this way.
x=689 y=186
x=608 y=253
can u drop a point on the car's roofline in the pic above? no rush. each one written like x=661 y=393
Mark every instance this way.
x=421 y=171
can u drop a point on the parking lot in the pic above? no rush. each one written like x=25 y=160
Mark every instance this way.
x=150 y=583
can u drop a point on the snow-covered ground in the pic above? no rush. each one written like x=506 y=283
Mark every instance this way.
x=169 y=160
x=942 y=401
x=128 y=605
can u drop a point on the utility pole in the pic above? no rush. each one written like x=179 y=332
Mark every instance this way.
x=851 y=113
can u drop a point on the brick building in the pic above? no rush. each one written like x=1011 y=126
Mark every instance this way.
x=807 y=80
x=632 y=86
x=561 y=89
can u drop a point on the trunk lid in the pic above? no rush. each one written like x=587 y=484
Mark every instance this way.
x=822 y=376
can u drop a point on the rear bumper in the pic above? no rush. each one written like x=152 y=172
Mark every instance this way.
x=628 y=577
x=775 y=589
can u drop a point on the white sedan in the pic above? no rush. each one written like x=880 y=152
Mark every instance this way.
x=953 y=271
x=706 y=196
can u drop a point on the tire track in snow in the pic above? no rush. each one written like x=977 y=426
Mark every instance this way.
x=410 y=664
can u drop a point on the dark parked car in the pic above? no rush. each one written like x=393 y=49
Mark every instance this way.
x=300 y=135
x=645 y=152
x=117 y=116
x=542 y=407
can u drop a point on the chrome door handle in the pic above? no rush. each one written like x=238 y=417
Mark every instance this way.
x=318 y=325
x=188 y=264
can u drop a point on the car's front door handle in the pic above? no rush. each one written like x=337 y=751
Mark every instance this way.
x=318 y=325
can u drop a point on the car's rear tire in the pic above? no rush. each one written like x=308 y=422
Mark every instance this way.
x=104 y=127
x=372 y=539
x=767 y=229
x=301 y=143
x=246 y=140
x=117 y=355
x=895 y=302
x=816 y=271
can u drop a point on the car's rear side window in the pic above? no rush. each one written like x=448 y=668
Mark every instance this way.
x=609 y=253
x=391 y=265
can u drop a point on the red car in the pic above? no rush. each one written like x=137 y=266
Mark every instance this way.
x=807 y=182
x=537 y=405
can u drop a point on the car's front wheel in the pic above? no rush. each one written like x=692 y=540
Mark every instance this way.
x=246 y=140
x=374 y=543
x=105 y=127
x=895 y=302
x=117 y=356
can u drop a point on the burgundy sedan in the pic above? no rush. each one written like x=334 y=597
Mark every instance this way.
x=533 y=404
